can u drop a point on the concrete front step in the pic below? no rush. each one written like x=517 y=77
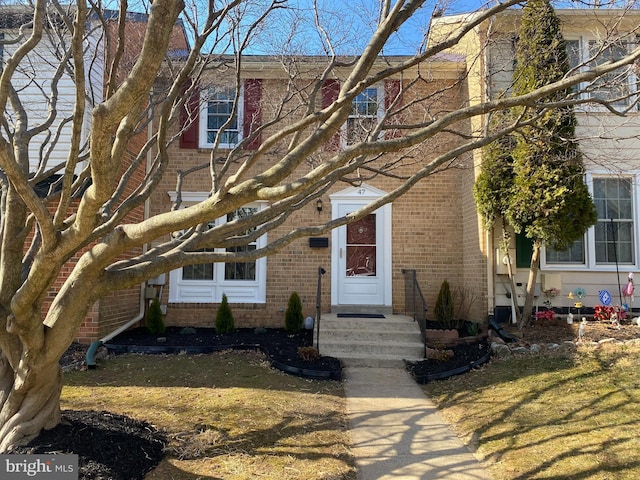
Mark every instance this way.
x=371 y=342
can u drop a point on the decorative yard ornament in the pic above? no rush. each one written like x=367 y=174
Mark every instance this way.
x=605 y=297
x=581 y=328
x=627 y=290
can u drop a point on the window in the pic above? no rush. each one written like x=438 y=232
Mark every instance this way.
x=611 y=240
x=218 y=107
x=366 y=109
x=614 y=237
x=243 y=281
x=615 y=87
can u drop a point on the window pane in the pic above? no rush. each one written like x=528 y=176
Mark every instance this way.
x=240 y=270
x=573 y=254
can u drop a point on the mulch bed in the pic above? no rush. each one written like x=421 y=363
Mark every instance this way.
x=109 y=446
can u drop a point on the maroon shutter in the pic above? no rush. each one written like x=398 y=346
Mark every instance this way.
x=330 y=91
x=391 y=92
x=252 y=111
x=190 y=120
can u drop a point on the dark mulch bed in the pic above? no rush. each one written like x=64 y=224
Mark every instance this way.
x=109 y=446
x=466 y=355
x=280 y=345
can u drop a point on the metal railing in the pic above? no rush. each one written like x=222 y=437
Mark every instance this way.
x=414 y=304
x=321 y=271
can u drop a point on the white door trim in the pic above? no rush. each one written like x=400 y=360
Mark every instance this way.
x=359 y=197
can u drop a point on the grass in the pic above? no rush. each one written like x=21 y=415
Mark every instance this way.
x=227 y=415
x=550 y=416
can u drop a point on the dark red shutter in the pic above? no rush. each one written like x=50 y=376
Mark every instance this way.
x=391 y=92
x=330 y=91
x=252 y=111
x=190 y=120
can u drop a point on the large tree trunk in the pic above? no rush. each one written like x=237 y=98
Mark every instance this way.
x=531 y=285
x=30 y=399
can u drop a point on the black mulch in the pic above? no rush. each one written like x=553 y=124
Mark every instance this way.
x=115 y=447
x=109 y=446
x=465 y=356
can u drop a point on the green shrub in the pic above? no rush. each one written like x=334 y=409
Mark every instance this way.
x=293 y=315
x=153 y=320
x=443 y=310
x=224 y=317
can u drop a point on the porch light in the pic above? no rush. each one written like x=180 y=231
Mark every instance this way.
x=319 y=205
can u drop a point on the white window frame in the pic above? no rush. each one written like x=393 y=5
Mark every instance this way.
x=591 y=263
x=584 y=42
x=210 y=291
x=380 y=92
x=204 y=114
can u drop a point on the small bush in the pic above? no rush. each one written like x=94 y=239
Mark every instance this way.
x=153 y=320
x=293 y=316
x=224 y=318
x=443 y=309
x=308 y=353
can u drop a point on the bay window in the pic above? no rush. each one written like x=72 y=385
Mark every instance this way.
x=241 y=281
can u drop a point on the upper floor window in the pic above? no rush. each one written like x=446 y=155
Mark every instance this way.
x=366 y=109
x=220 y=118
x=209 y=113
x=616 y=87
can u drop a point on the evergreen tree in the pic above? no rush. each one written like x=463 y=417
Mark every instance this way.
x=549 y=202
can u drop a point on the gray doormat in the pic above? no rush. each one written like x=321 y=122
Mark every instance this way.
x=360 y=315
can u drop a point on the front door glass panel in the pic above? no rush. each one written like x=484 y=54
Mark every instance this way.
x=361 y=247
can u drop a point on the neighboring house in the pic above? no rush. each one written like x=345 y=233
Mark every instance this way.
x=610 y=250
x=34 y=80
x=432 y=229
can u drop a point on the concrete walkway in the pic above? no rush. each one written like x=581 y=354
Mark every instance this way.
x=397 y=433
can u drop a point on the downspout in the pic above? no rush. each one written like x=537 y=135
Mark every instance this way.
x=93 y=348
x=90 y=357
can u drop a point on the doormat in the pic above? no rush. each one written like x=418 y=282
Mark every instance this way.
x=360 y=315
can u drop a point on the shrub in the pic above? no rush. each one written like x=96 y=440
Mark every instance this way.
x=293 y=316
x=224 y=317
x=443 y=310
x=308 y=353
x=153 y=320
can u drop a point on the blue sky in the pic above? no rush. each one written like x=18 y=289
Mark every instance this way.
x=350 y=24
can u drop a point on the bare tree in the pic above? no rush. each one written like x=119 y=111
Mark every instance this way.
x=116 y=126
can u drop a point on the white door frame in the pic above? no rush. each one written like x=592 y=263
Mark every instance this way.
x=359 y=197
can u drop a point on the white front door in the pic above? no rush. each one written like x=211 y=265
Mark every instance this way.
x=361 y=266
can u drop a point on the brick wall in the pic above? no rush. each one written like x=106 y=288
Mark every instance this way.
x=434 y=231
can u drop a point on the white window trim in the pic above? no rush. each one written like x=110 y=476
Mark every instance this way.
x=583 y=41
x=590 y=236
x=203 y=117
x=344 y=135
x=210 y=291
